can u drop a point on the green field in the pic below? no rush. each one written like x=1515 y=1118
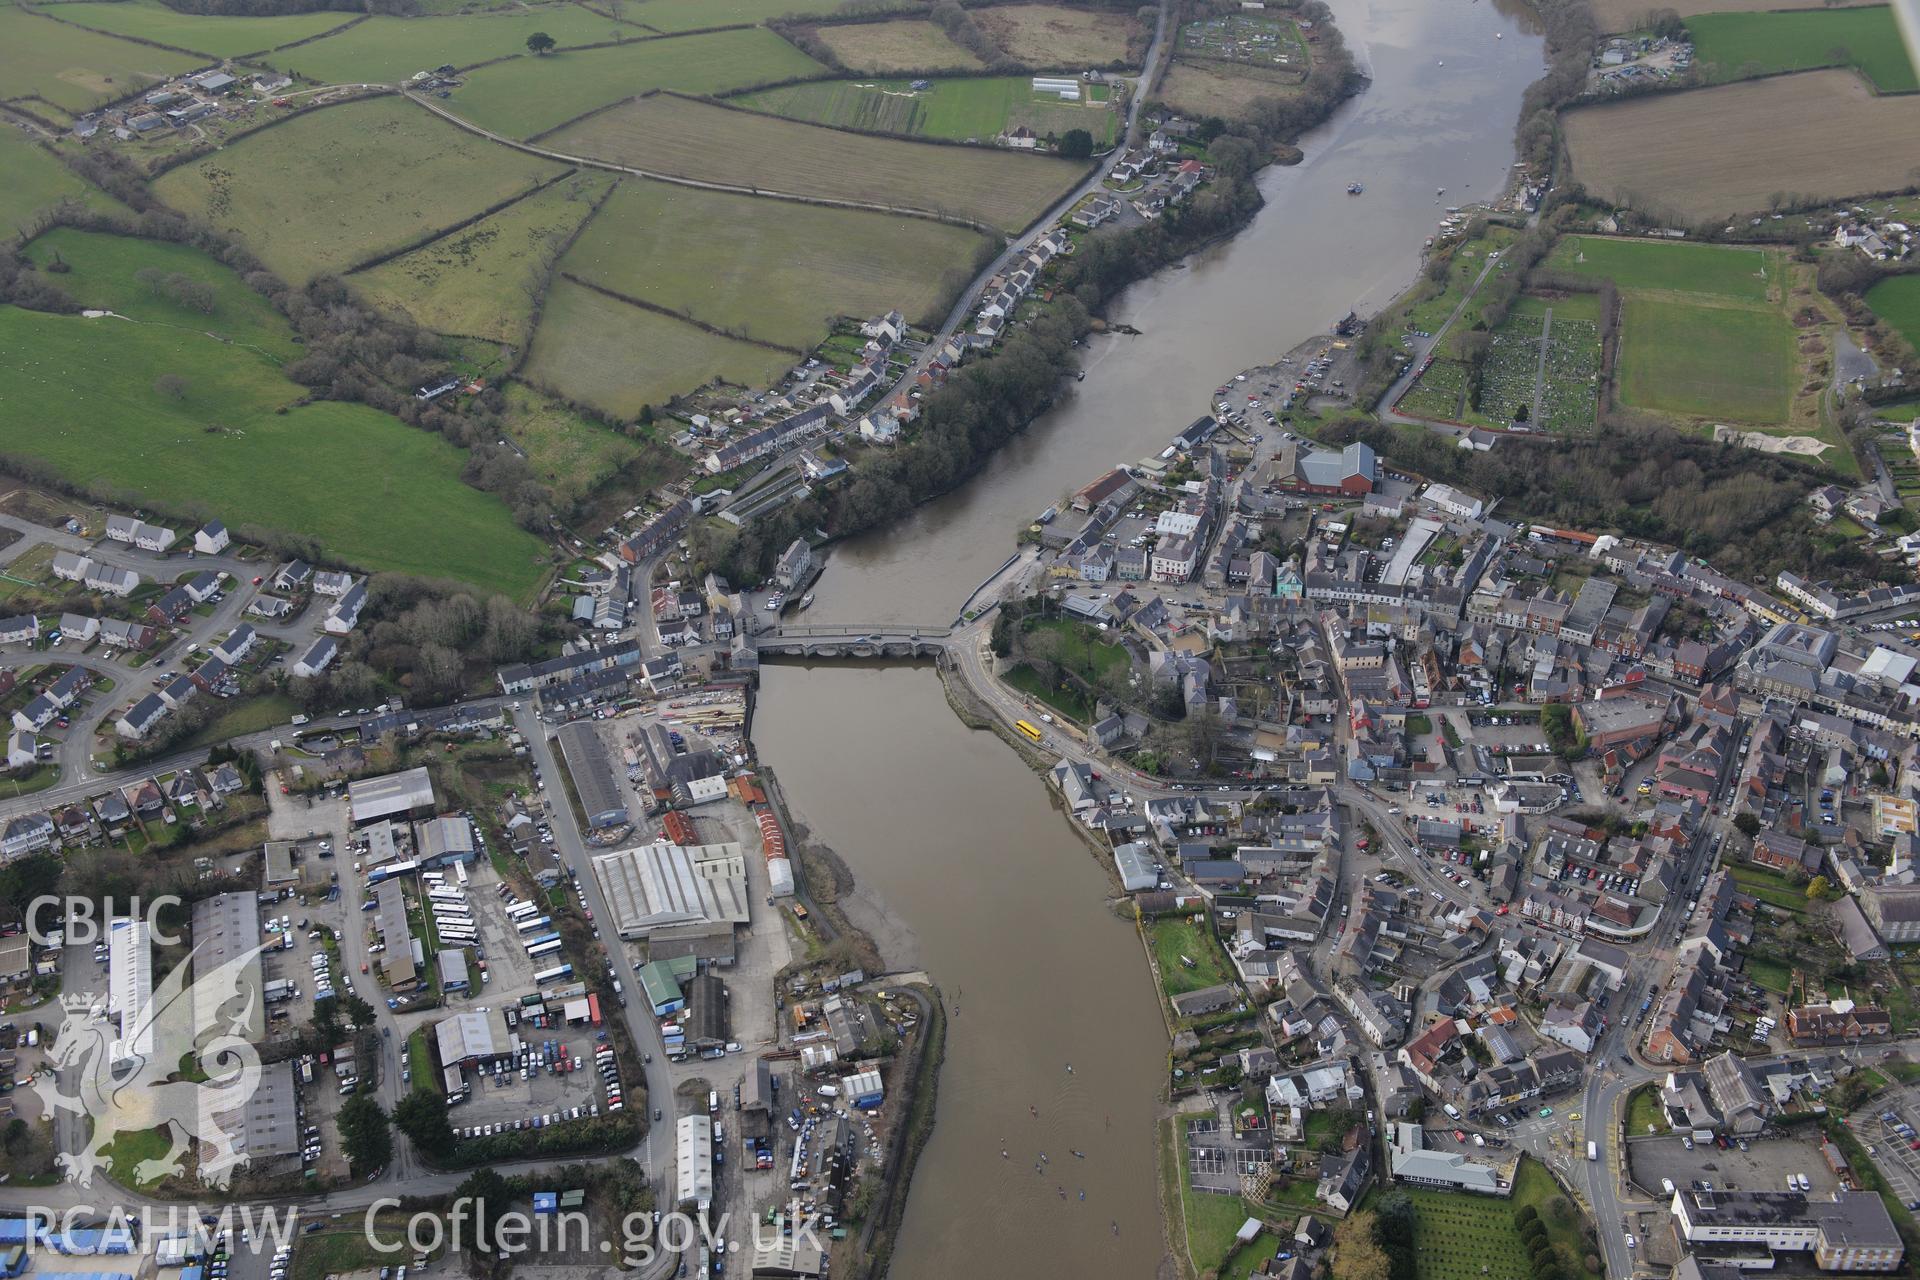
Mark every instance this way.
x=1897 y=301
x=569 y=453
x=1731 y=46
x=1706 y=361
x=1076 y=646
x=963 y=110
x=1173 y=937
x=101 y=272
x=477 y=281
x=1644 y=1113
x=1770 y=886
x=687 y=15
x=767 y=269
x=1429 y=303
x=530 y=95
x=619 y=358
x=36 y=181
x=341 y=184
x=217 y=37
x=81 y=396
x=387 y=50
x=76 y=70
x=691 y=139
x=1678 y=266
x=1207 y=1222
x=1058 y=694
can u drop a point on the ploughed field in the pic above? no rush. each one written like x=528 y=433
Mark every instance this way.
x=1730 y=150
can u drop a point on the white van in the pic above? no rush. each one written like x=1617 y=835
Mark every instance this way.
x=1453 y=1112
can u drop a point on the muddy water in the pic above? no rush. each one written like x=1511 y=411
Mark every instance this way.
x=1312 y=254
x=955 y=839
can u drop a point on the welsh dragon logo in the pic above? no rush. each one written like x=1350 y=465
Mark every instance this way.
x=120 y=1071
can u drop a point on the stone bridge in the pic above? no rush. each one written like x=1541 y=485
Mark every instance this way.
x=853 y=640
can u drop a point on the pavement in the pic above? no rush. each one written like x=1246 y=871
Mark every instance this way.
x=656 y=1153
x=74 y=752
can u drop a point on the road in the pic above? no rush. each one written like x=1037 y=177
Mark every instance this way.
x=73 y=755
x=657 y=1151
x=965 y=300
x=1423 y=349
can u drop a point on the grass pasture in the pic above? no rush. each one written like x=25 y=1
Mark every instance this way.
x=1731 y=46
x=1636 y=264
x=1058 y=35
x=1625 y=15
x=100 y=275
x=387 y=50
x=36 y=181
x=903 y=44
x=961 y=110
x=1711 y=153
x=571 y=454
x=698 y=140
x=1172 y=937
x=690 y=15
x=620 y=358
x=217 y=37
x=75 y=69
x=528 y=95
x=1897 y=301
x=476 y=281
x=81 y=397
x=1706 y=361
x=338 y=186
x=769 y=270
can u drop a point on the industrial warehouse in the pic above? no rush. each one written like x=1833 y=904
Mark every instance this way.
x=592 y=772
x=670 y=884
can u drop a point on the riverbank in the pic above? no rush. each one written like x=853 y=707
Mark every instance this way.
x=851 y=919
x=937 y=822
x=994 y=399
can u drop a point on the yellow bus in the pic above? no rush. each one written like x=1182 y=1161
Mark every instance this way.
x=1027 y=729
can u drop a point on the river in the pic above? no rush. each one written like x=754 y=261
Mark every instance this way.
x=944 y=827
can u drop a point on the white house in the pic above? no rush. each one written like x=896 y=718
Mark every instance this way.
x=71 y=567
x=317 y=657
x=1177 y=523
x=212 y=538
x=329 y=583
x=79 y=627
x=151 y=537
x=141 y=717
x=22 y=749
x=345 y=614
x=20 y=629
x=1454 y=502
x=237 y=645
x=882 y=426
x=108 y=580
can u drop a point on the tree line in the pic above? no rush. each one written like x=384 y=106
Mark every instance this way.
x=1742 y=509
